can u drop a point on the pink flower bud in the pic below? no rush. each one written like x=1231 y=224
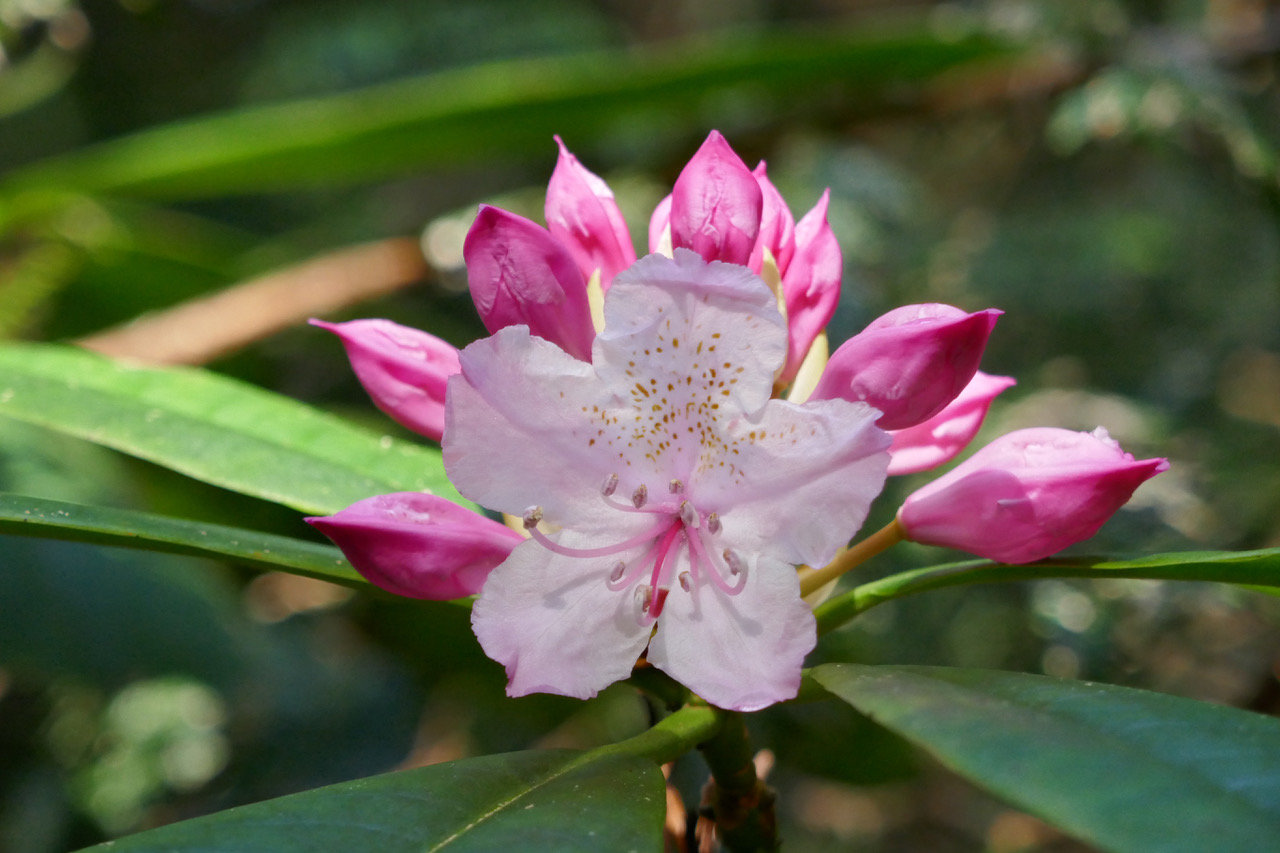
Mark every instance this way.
x=939 y=439
x=419 y=545
x=583 y=216
x=1027 y=495
x=716 y=204
x=777 y=226
x=404 y=370
x=910 y=362
x=660 y=225
x=519 y=275
x=811 y=284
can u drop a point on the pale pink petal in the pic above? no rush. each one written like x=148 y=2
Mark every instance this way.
x=583 y=216
x=910 y=362
x=660 y=226
x=796 y=481
x=811 y=283
x=404 y=370
x=716 y=204
x=522 y=429
x=741 y=652
x=777 y=226
x=1027 y=495
x=939 y=439
x=419 y=545
x=519 y=275
x=555 y=624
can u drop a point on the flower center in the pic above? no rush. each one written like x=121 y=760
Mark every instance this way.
x=679 y=526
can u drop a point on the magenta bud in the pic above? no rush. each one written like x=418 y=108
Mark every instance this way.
x=811 y=284
x=519 y=275
x=716 y=204
x=777 y=226
x=419 y=545
x=941 y=438
x=659 y=224
x=582 y=215
x=1027 y=495
x=910 y=362
x=404 y=370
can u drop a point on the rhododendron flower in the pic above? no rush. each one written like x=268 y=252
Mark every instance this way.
x=419 y=545
x=677 y=496
x=1027 y=495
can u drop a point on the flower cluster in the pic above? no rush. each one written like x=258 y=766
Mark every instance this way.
x=673 y=441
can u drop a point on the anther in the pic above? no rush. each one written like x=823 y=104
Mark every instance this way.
x=734 y=562
x=686 y=583
x=532 y=516
x=618 y=571
x=640 y=496
x=688 y=515
x=676 y=486
x=644 y=596
x=610 y=485
x=713 y=523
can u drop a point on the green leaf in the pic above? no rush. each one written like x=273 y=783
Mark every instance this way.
x=545 y=800
x=1124 y=769
x=26 y=516
x=508 y=108
x=213 y=428
x=1259 y=568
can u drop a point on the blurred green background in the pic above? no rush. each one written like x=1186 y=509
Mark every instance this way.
x=1105 y=172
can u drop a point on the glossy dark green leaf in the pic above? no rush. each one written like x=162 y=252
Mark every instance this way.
x=1124 y=769
x=501 y=109
x=213 y=428
x=1258 y=569
x=547 y=800
x=26 y=516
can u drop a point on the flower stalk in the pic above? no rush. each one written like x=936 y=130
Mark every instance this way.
x=738 y=800
x=883 y=539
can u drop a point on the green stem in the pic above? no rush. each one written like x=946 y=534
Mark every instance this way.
x=1258 y=568
x=671 y=738
x=740 y=802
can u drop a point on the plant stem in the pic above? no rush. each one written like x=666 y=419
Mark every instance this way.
x=671 y=738
x=883 y=539
x=740 y=803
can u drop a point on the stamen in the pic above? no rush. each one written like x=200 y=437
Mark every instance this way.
x=688 y=515
x=640 y=496
x=686 y=583
x=734 y=562
x=713 y=523
x=532 y=516
x=699 y=556
x=610 y=485
x=619 y=569
x=644 y=597
x=676 y=486
x=606 y=551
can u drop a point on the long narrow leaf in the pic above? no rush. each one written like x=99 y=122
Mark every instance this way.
x=480 y=113
x=26 y=516
x=1126 y=770
x=213 y=428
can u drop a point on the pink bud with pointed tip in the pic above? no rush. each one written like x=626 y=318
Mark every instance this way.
x=1027 y=495
x=404 y=370
x=419 y=545
x=941 y=438
x=910 y=362
x=660 y=225
x=520 y=275
x=582 y=214
x=777 y=226
x=811 y=284
x=716 y=204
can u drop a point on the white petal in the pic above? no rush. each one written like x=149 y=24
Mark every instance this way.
x=742 y=652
